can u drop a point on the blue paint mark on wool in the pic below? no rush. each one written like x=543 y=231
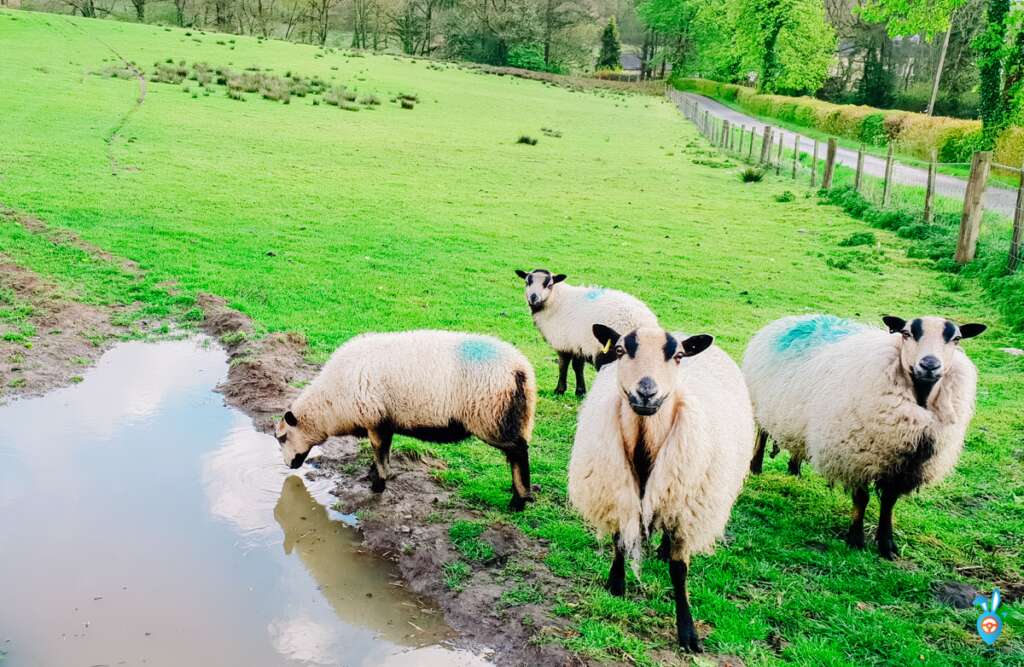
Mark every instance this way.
x=476 y=350
x=814 y=332
x=594 y=294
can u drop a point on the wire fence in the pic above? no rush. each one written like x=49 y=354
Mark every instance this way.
x=884 y=183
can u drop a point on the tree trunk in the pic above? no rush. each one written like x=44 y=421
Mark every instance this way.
x=990 y=66
x=938 y=70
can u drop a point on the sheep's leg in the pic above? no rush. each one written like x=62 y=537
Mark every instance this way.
x=563 y=371
x=855 y=538
x=380 y=439
x=581 y=382
x=886 y=544
x=757 y=463
x=617 y=575
x=518 y=456
x=686 y=632
x=794 y=464
x=665 y=548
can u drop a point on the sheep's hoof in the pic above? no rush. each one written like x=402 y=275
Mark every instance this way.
x=581 y=392
x=887 y=549
x=559 y=390
x=855 y=540
x=518 y=503
x=689 y=640
x=376 y=482
x=616 y=587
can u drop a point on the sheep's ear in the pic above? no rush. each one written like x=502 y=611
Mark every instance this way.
x=559 y=278
x=971 y=330
x=606 y=336
x=522 y=274
x=694 y=345
x=895 y=324
x=289 y=418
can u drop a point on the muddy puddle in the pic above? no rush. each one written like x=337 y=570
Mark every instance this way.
x=143 y=522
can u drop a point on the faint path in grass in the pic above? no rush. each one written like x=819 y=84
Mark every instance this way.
x=115 y=133
x=998 y=199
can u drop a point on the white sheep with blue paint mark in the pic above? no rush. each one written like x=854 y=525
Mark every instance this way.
x=662 y=443
x=565 y=314
x=865 y=406
x=438 y=386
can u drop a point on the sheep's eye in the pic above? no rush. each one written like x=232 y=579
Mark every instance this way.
x=905 y=334
x=619 y=351
x=957 y=339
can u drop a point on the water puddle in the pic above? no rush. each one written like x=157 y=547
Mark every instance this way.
x=143 y=522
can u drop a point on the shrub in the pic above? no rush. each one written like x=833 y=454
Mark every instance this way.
x=526 y=139
x=872 y=129
x=339 y=95
x=752 y=175
x=859 y=238
x=527 y=56
x=785 y=197
x=369 y=100
x=1009 y=149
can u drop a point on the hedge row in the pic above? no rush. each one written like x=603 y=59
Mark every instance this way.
x=913 y=133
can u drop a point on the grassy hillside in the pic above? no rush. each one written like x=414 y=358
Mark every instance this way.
x=328 y=222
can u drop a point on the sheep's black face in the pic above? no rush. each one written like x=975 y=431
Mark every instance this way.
x=647 y=363
x=928 y=347
x=539 y=284
x=295 y=446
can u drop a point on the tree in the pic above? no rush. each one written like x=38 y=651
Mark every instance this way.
x=611 y=47
x=1000 y=66
x=788 y=42
x=917 y=17
x=559 y=17
x=140 y=10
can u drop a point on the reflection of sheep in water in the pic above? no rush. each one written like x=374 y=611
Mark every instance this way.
x=565 y=315
x=866 y=406
x=663 y=442
x=438 y=386
x=356 y=584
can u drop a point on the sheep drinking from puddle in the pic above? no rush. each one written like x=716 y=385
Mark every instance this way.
x=438 y=386
x=866 y=406
x=663 y=442
x=564 y=315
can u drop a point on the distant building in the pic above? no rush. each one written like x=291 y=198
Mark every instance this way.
x=630 y=62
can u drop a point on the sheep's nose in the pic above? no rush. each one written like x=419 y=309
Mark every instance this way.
x=646 y=389
x=930 y=363
x=533 y=298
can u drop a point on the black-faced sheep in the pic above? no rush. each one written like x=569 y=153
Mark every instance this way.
x=564 y=315
x=438 y=386
x=663 y=442
x=864 y=405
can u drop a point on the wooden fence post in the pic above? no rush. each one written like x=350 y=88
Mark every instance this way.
x=1018 y=226
x=887 y=185
x=796 y=153
x=830 y=164
x=970 y=221
x=725 y=134
x=766 y=145
x=705 y=123
x=778 y=158
x=858 y=177
x=929 y=190
x=814 y=164
x=750 y=154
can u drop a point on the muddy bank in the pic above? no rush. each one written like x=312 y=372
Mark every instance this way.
x=409 y=522
x=68 y=336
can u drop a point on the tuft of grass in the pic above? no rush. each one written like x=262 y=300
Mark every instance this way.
x=752 y=175
x=526 y=139
x=407 y=104
x=455 y=575
x=785 y=197
x=465 y=537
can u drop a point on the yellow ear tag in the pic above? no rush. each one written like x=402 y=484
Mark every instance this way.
x=607 y=346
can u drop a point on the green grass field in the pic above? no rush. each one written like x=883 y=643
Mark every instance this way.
x=330 y=223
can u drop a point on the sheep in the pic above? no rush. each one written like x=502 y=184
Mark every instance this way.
x=564 y=315
x=437 y=386
x=662 y=442
x=865 y=405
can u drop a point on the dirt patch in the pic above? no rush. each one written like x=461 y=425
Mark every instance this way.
x=54 y=339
